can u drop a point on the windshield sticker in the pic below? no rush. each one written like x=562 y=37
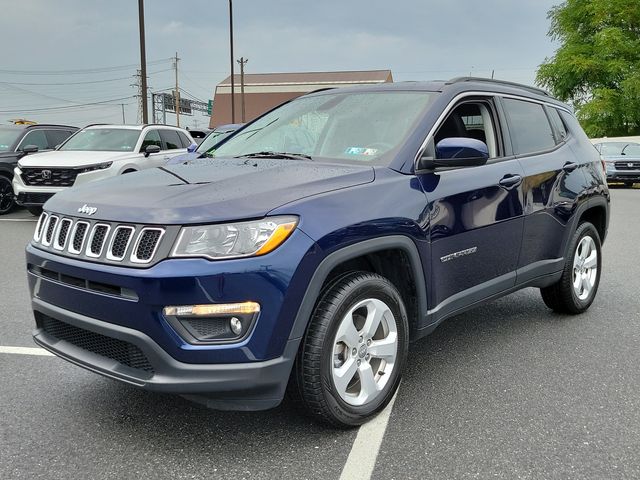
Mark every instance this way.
x=361 y=151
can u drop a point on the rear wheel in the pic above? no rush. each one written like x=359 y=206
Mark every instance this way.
x=351 y=359
x=577 y=287
x=7 y=198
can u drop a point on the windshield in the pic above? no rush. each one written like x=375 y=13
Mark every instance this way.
x=351 y=127
x=614 y=149
x=212 y=139
x=103 y=140
x=8 y=136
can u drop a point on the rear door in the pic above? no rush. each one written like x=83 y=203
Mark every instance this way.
x=173 y=143
x=553 y=181
x=475 y=213
x=57 y=136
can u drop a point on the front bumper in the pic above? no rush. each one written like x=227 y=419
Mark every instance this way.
x=623 y=175
x=98 y=309
x=240 y=386
x=29 y=196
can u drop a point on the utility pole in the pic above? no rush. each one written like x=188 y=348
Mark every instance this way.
x=141 y=97
x=123 y=120
x=176 y=96
x=143 y=62
x=242 y=63
x=233 y=91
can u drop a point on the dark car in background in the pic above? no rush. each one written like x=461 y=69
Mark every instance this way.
x=209 y=144
x=198 y=134
x=16 y=141
x=622 y=161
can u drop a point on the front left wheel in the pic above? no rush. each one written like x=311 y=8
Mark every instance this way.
x=351 y=359
x=7 y=198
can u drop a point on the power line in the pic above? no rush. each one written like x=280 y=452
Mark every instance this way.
x=67 y=107
x=81 y=71
x=105 y=80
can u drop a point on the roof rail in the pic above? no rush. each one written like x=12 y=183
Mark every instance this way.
x=537 y=90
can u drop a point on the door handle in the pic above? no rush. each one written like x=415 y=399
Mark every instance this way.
x=509 y=181
x=569 y=166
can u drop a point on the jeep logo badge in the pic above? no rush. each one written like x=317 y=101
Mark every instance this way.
x=46 y=174
x=87 y=209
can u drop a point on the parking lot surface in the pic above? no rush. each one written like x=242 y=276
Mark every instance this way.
x=509 y=390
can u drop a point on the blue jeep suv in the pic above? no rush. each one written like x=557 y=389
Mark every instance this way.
x=320 y=240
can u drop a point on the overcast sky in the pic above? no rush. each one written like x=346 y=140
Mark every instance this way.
x=44 y=41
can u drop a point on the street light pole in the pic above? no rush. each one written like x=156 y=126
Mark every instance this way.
x=143 y=62
x=233 y=93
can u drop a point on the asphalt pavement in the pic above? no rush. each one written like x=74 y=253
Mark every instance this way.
x=509 y=391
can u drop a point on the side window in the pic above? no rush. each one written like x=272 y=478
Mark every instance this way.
x=558 y=124
x=529 y=126
x=151 y=138
x=184 y=139
x=35 y=137
x=471 y=120
x=171 y=139
x=56 y=137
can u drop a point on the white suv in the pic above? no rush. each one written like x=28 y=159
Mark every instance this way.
x=94 y=153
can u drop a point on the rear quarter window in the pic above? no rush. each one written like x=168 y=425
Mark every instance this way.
x=529 y=127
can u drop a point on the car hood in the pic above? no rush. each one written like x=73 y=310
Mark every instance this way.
x=62 y=158
x=207 y=190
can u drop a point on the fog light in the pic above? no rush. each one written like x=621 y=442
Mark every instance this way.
x=214 y=323
x=236 y=325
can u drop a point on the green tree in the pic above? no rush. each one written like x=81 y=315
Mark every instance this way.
x=597 y=66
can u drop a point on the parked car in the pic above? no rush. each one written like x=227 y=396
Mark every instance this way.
x=94 y=153
x=622 y=160
x=16 y=141
x=320 y=240
x=198 y=135
x=208 y=145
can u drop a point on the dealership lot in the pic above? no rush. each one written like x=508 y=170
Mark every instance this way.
x=509 y=390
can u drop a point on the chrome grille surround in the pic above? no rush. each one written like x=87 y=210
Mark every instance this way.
x=119 y=256
x=40 y=226
x=62 y=235
x=49 y=230
x=107 y=242
x=78 y=237
x=97 y=239
x=146 y=231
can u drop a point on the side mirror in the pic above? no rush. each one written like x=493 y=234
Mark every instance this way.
x=30 y=149
x=149 y=149
x=192 y=148
x=456 y=152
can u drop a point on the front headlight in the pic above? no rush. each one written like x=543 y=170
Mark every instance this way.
x=99 y=166
x=233 y=240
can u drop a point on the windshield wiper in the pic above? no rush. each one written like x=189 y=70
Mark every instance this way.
x=269 y=154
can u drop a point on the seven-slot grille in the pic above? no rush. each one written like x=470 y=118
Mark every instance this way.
x=100 y=240
x=49 y=177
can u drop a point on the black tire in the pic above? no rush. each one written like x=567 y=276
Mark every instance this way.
x=312 y=377
x=35 y=211
x=628 y=184
x=561 y=296
x=7 y=198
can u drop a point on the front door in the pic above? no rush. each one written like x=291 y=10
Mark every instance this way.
x=475 y=215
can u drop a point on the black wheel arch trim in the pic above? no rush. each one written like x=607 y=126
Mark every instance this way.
x=349 y=252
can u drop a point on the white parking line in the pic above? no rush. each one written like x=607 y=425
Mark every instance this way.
x=26 y=351
x=32 y=220
x=364 y=452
